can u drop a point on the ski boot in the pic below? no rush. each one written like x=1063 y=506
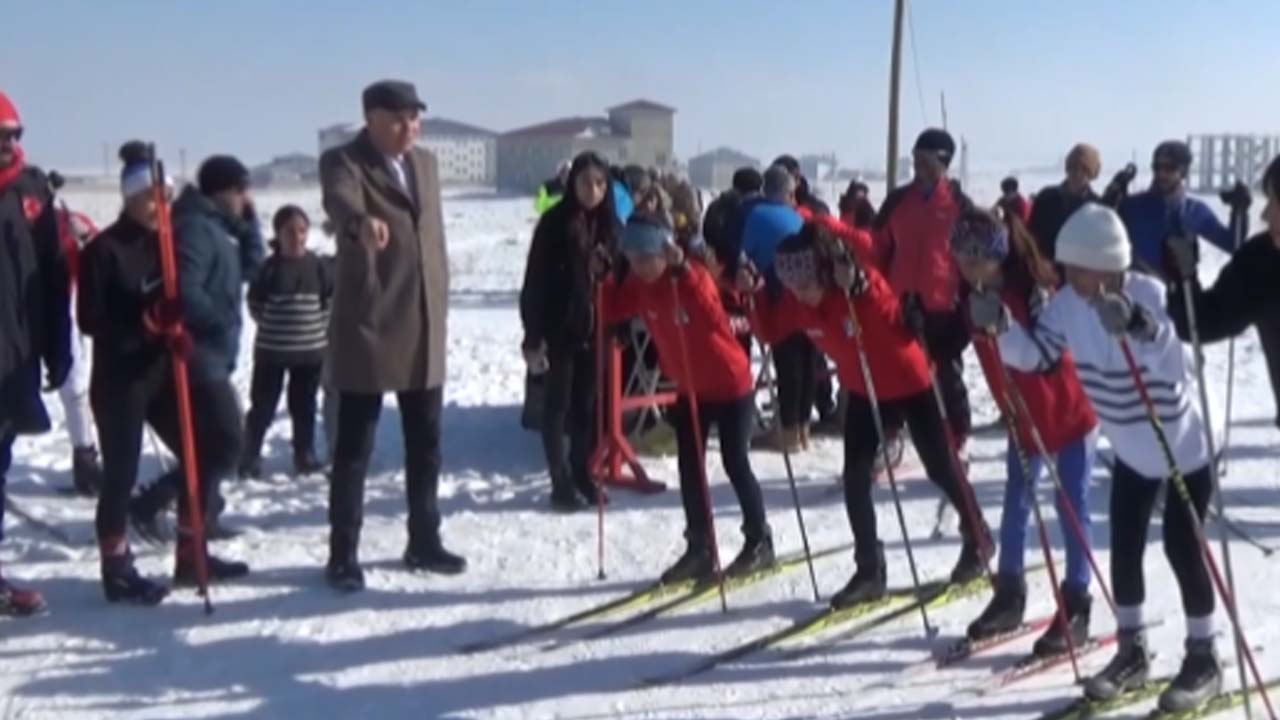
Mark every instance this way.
x=1054 y=640
x=1199 y=679
x=86 y=470
x=343 y=571
x=122 y=583
x=19 y=602
x=971 y=565
x=184 y=566
x=867 y=584
x=432 y=557
x=1005 y=611
x=695 y=564
x=566 y=501
x=756 y=555
x=305 y=462
x=250 y=468
x=1127 y=670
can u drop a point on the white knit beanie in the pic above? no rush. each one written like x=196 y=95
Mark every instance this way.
x=1094 y=239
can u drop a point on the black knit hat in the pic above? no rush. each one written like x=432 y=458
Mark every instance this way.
x=937 y=140
x=222 y=172
x=790 y=163
x=748 y=180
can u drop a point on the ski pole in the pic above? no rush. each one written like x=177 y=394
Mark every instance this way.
x=1029 y=487
x=601 y=388
x=1224 y=536
x=1069 y=510
x=1240 y=223
x=786 y=461
x=691 y=397
x=1180 y=485
x=883 y=440
x=181 y=381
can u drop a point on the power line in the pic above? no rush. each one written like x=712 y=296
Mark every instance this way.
x=915 y=63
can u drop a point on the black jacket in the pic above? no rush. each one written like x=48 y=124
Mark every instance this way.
x=290 y=299
x=216 y=255
x=1247 y=289
x=557 y=299
x=35 y=299
x=1049 y=212
x=119 y=278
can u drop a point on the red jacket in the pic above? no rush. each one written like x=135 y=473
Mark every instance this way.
x=720 y=367
x=856 y=239
x=912 y=239
x=1059 y=408
x=898 y=365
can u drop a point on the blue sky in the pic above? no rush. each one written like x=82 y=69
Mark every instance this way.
x=1023 y=78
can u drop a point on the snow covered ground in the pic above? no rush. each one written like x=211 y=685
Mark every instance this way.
x=282 y=645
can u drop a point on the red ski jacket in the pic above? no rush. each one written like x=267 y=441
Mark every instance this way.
x=719 y=366
x=899 y=368
x=857 y=240
x=912 y=240
x=1059 y=408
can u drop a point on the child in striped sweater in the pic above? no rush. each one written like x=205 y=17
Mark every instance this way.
x=290 y=300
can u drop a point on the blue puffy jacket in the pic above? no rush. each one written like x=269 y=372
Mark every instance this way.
x=1152 y=217
x=765 y=224
x=216 y=255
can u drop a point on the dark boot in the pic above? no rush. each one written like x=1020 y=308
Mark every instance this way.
x=1199 y=679
x=122 y=583
x=432 y=557
x=756 y=555
x=867 y=584
x=305 y=462
x=1127 y=670
x=591 y=492
x=147 y=510
x=566 y=501
x=184 y=567
x=250 y=467
x=695 y=564
x=343 y=571
x=974 y=554
x=19 y=602
x=1005 y=611
x=1054 y=641
x=86 y=471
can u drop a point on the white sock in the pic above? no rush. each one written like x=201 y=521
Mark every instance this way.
x=1129 y=617
x=1200 y=628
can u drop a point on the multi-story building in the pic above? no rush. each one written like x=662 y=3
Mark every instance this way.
x=465 y=154
x=714 y=170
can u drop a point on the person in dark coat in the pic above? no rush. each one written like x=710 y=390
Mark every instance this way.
x=1055 y=203
x=290 y=300
x=35 y=320
x=856 y=208
x=557 y=308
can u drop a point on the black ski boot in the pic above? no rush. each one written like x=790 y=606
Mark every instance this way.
x=433 y=557
x=86 y=471
x=695 y=564
x=566 y=501
x=1199 y=679
x=305 y=462
x=122 y=583
x=1127 y=670
x=250 y=468
x=184 y=566
x=591 y=493
x=1005 y=611
x=866 y=585
x=971 y=565
x=756 y=555
x=1054 y=640
x=343 y=571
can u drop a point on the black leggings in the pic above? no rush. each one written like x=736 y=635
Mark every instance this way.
x=1132 y=499
x=1269 y=336
x=735 y=420
x=569 y=406
x=861 y=446
x=795 y=360
x=264 y=395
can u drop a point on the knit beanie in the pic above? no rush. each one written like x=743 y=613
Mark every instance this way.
x=8 y=111
x=645 y=236
x=1094 y=239
x=135 y=176
x=222 y=172
x=939 y=142
x=1087 y=157
x=796 y=268
x=981 y=237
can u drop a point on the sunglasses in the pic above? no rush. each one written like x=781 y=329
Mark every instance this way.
x=10 y=134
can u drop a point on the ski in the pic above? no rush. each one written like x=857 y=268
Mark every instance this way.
x=964 y=648
x=53 y=531
x=1082 y=708
x=651 y=593
x=1033 y=665
x=1219 y=703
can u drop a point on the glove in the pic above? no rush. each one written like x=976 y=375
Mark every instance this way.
x=162 y=316
x=850 y=276
x=599 y=264
x=1238 y=197
x=1038 y=300
x=987 y=312
x=748 y=280
x=1120 y=316
x=535 y=358
x=913 y=314
x=1182 y=256
x=675 y=257
x=57 y=373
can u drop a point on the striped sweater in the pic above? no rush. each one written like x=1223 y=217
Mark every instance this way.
x=1165 y=363
x=290 y=300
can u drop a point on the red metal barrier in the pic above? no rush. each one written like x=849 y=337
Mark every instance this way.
x=615 y=450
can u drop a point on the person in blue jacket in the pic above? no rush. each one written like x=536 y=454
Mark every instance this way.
x=1165 y=210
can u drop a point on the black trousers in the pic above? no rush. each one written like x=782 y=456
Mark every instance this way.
x=264 y=396
x=948 y=359
x=736 y=421
x=824 y=397
x=861 y=446
x=358 y=414
x=1133 y=498
x=6 y=459
x=796 y=360
x=1269 y=335
x=569 y=406
x=120 y=413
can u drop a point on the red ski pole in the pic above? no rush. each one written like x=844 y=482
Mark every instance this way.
x=691 y=396
x=1180 y=485
x=601 y=389
x=181 y=382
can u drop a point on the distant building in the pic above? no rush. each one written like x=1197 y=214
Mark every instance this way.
x=639 y=132
x=465 y=154
x=714 y=170
x=293 y=169
x=818 y=168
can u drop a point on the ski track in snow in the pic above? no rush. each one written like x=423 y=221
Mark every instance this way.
x=281 y=644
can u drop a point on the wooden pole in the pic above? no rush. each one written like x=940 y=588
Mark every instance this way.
x=895 y=83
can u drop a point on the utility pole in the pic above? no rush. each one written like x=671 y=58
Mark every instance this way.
x=895 y=83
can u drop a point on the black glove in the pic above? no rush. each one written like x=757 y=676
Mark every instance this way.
x=1238 y=197
x=913 y=314
x=599 y=264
